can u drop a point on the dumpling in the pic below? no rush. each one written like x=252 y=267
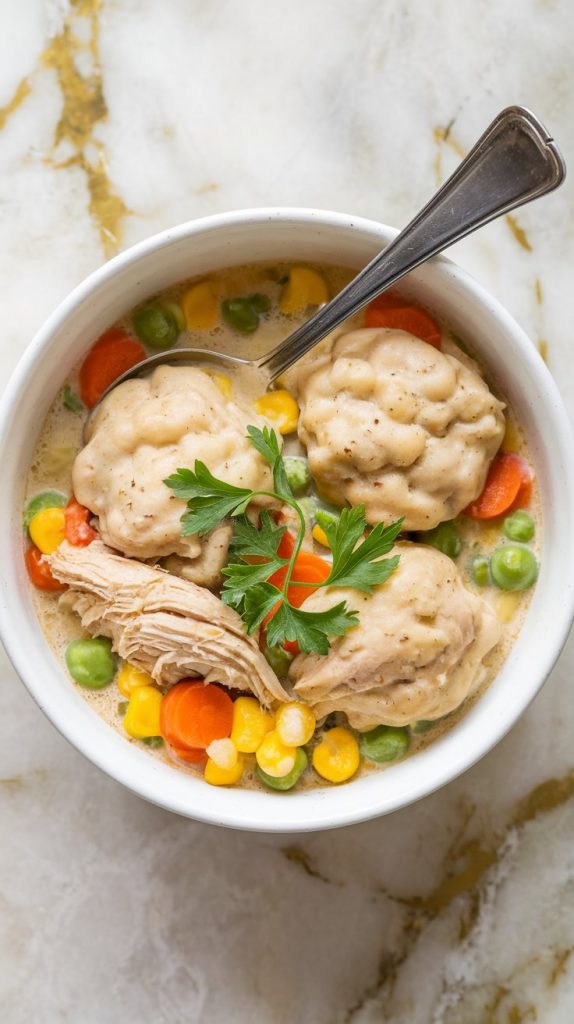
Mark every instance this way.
x=392 y=423
x=417 y=652
x=144 y=431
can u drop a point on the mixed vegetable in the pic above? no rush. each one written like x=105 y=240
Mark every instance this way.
x=269 y=572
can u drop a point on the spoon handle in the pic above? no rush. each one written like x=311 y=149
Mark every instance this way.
x=515 y=161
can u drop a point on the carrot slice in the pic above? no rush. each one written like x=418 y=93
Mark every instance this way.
x=78 y=530
x=524 y=495
x=113 y=354
x=391 y=310
x=189 y=754
x=39 y=571
x=286 y=545
x=505 y=478
x=193 y=714
x=309 y=568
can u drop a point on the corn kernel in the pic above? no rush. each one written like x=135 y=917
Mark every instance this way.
x=320 y=536
x=142 y=716
x=223 y=753
x=129 y=677
x=505 y=606
x=304 y=288
x=223 y=382
x=250 y=724
x=48 y=529
x=281 y=408
x=217 y=776
x=274 y=757
x=200 y=305
x=336 y=758
x=295 y=723
x=511 y=439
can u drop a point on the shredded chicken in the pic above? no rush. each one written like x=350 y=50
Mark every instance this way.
x=143 y=432
x=166 y=626
x=392 y=423
x=417 y=652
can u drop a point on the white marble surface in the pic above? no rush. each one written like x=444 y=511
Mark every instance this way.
x=125 y=116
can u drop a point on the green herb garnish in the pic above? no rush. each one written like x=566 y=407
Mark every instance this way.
x=356 y=563
x=71 y=400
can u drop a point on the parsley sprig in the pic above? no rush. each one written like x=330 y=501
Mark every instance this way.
x=356 y=563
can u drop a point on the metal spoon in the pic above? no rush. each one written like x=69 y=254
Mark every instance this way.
x=513 y=162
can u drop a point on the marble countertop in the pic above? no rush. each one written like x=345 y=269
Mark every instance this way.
x=121 y=117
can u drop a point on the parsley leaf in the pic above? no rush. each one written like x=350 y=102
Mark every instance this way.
x=360 y=565
x=199 y=482
x=310 y=629
x=242 y=577
x=268 y=446
x=249 y=540
x=259 y=601
x=209 y=500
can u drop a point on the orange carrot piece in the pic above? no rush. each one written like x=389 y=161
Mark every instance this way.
x=193 y=714
x=78 y=530
x=190 y=754
x=524 y=495
x=113 y=354
x=39 y=571
x=506 y=475
x=391 y=310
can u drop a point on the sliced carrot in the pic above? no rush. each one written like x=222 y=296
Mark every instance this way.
x=39 y=571
x=507 y=474
x=190 y=755
x=193 y=714
x=286 y=545
x=309 y=568
x=78 y=530
x=524 y=495
x=113 y=354
x=391 y=310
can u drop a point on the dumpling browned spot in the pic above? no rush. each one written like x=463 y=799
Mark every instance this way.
x=417 y=652
x=166 y=626
x=392 y=423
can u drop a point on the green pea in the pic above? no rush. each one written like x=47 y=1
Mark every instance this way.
x=279 y=659
x=519 y=526
x=480 y=571
x=155 y=742
x=156 y=326
x=445 y=537
x=91 y=662
x=176 y=311
x=513 y=567
x=325 y=518
x=259 y=302
x=385 y=743
x=288 y=781
x=298 y=473
x=45 y=499
x=123 y=707
x=423 y=726
x=240 y=314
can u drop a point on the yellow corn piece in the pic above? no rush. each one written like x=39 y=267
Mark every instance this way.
x=274 y=757
x=320 y=536
x=223 y=753
x=200 y=305
x=281 y=408
x=336 y=758
x=130 y=677
x=295 y=723
x=505 y=606
x=223 y=382
x=250 y=724
x=511 y=440
x=304 y=288
x=142 y=716
x=217 y=776
x=48 y=529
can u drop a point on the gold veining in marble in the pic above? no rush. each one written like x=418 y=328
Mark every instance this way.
x=21 y=92
x=84 y=107
x=518 y=233
x=543 y=349
x=299 y=855
x=538 y=290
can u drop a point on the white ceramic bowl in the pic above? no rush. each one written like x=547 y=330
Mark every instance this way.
x=287 y=234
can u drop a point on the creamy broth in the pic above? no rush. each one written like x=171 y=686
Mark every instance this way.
x=61 y=439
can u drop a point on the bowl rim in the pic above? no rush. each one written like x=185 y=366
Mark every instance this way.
x=315 y=809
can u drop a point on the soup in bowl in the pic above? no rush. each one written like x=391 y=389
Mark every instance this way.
x=296 y=608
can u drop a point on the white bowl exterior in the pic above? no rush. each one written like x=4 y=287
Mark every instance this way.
x=287 y=234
